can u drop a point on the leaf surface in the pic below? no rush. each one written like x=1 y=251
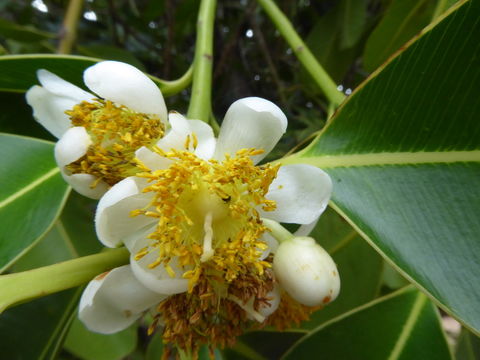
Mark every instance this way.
x=32 y=194
x=19 y=72
x=404 y=325
x=404 y=155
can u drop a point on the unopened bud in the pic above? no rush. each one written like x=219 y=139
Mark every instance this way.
x=306 y=271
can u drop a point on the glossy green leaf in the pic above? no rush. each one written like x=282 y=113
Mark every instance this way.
x=359 y=266
x=18 y=72
x=404 y=325
x=404 y=155
x=468 y=346
x=100 y=347
x=32 y=194
x=403 y=19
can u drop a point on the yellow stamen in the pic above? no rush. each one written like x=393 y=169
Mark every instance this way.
x=116 y=133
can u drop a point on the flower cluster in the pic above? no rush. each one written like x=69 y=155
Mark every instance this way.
x=193 y=210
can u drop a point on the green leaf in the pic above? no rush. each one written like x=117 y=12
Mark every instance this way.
x=404 y=155
x=154 y=348
x=404 y=325
x=35 y=330
x=324 y=40
x=359 y=266
x=46 y=320
x=88 y=345
x=403 y=19
x=111 y=53
x=262 y=345
x=17 y=32
x=32 y=194
x=18 y=72
x=468 y=346
x=77 y=225
x=352 y=21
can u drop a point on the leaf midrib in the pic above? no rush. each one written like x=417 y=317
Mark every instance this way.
x=384 y=158
x=410 y=323
x=32 y=185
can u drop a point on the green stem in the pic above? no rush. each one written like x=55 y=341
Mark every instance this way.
x=28 y=285
x=284 y=26
x=278 y=231
x=69 y=29
x=200 y=103
x=175 y=86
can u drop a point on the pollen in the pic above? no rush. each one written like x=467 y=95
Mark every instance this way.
x=209 y=206
x=208 y=225
x=116 y=133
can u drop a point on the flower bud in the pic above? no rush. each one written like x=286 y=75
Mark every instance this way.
x=306 y=271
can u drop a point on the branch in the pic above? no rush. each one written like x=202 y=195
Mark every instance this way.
x=319 y=75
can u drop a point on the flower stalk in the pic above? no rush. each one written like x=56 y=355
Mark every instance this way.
x=69 y=29
x=31 y=284
x=303 y=53
x=278 y=231
x=200 y=102
x=172 y=87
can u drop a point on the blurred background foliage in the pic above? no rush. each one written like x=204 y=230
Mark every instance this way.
x=350 y=38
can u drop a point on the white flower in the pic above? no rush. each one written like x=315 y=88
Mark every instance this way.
x=193 y=217
x=90 y=131
x=306 y=271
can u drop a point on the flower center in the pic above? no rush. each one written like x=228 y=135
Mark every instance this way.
x=116 y=133
x=207 y=215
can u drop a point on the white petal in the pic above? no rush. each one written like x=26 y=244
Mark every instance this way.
x=301 y=192
x=251 y=123
x=112 y=302
x=157 y=279
x=49 y=110
x=113 y=222
x=176 y=137
x=72 y=146
x=205 y=137
x=181 y=128
x=57 y=86
x=81 y=183
x=126 y=85
x=151 y=159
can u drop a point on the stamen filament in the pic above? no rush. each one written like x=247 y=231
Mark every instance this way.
x=248 y=308
x=208 y=251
